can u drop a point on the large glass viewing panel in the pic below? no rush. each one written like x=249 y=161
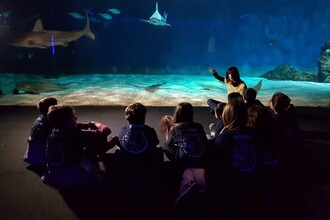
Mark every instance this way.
x=158 y=52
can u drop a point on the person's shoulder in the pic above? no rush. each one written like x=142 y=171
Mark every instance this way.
x=221 y=139
x=41 y=118
x=198 y=125
x=188 y=125
x=226 y=138
x=41 y=121
x=258 y=102
x=227 y=135
x=148 y=127
x=123 y=129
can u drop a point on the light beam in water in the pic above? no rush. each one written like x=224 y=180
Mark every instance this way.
x=53 y=47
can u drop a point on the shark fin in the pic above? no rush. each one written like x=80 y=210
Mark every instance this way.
x=87 y=29
x=38 y=26
x=156 y=14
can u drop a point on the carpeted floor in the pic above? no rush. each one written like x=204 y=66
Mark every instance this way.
x=24 y=196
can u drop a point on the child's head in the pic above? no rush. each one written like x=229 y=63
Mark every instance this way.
x=62 y=117
x=259 y=118
x=219 y=109
x=250 y=95
x=234 y=95
x=45 y=103
x=183 y=113
x=280 y=102
x=234 y=115
x=135 y=113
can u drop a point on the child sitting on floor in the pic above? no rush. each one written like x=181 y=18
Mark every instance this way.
x=139 y=155
x=73 y=150
x=35 y=153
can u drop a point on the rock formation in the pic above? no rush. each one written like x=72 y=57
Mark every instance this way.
x=324 y=64
x=288 y=72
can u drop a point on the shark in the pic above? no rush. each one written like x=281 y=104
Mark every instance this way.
x=42 y=87
x=157 y=19
x=153 y=88
x=40 y=38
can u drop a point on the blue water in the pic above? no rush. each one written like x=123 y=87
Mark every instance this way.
x=254 y=35
x=154 y=89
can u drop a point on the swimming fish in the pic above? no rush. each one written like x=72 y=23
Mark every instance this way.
x=272 y=42
x=92 y=18
x=157 y=19
x=41 y=38
x=105 y=16
x=114 y=11
x=42 y=87
x=5 y=14
x=152 y=88
x=22 y=56
x=245 y=16
x=76 y=15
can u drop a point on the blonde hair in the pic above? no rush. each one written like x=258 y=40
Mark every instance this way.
x=184 y=113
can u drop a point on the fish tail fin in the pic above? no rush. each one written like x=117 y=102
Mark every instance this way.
x=87 y=29
x=257 y=87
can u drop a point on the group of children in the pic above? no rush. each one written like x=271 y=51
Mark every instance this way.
x=69 y=151
x=247 y=138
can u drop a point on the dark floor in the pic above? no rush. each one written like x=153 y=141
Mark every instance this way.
x=24 y=196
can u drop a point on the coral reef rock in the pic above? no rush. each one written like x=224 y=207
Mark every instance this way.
x=288 y=72
x=324 y=64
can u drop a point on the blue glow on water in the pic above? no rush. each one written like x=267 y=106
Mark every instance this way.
x=254 y=35
x=154 y=89
x=204 y=33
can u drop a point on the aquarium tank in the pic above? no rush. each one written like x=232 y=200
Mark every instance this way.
x=112 y=52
